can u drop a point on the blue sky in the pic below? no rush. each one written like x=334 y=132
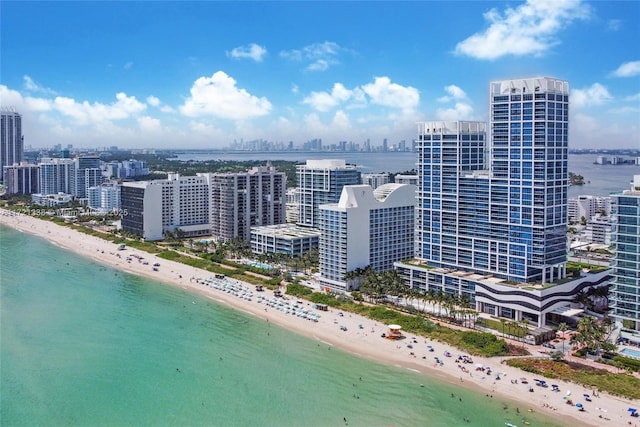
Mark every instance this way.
x=203 y=74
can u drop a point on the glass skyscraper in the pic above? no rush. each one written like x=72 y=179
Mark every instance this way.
x=625 y=292
x=11 y=142
x=498 y=208
x=491 y=208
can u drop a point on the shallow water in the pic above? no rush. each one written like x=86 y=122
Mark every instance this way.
x=83 y=344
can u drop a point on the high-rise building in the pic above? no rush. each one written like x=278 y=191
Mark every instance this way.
x=56 y=175
x=177 y=205
x=375 y=180
x=11 y=139
x=365 y=228
x=320 y=182
x=105 y=197
x=241 y=200
x=88 y=173
x=491 y=213
x=625 y=292
x=21 y=178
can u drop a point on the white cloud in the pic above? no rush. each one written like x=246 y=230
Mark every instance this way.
x=635 y=97
x=218 y=96
x=128 y=65
x=529 y=29
x=86 y=113
x=383 y=92
x=31 y=86
x=454 y=93
x=251 y=51
x=594 y=95
x=154 y=101
x=614 y=24
x=323 y=101
x=341 y=120
x=319 y=55
x=628 y=69
x=149 y=124
x=460 y=111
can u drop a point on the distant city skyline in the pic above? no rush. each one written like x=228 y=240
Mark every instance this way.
x=202 y=75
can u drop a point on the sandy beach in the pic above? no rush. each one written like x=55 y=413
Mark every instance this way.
x=362 y=336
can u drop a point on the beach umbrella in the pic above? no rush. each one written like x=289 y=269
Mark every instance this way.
x=632 y=410
x=579 y=405
x=478 y=365
x=568 y=393
x=586 y=395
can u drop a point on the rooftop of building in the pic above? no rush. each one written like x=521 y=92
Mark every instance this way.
x=286 y=231
x=575 y=271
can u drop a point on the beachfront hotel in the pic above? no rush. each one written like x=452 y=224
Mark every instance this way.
x=241 y=200
x=176 y=205
x=365 y=228
x=320 y=182
x=11 y=139
x=491 y=213
x=625 y=292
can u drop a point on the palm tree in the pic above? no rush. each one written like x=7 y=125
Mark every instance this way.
x=583 y=299
x=439 y=299
x=589 y=335
x=504 y=322
x=562 y=327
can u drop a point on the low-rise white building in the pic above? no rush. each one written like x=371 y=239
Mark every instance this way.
x=51 y=200
x=288 y=239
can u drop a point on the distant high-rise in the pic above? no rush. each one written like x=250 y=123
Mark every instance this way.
x=625 y=292
x=375 y=180
x=11 y=140
x=321 y=182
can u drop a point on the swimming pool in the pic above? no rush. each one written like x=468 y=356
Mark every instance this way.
x=630 y=352
x=261 y=265
x=256 y=264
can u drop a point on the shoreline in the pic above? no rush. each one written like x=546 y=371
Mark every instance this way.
x=362 y=342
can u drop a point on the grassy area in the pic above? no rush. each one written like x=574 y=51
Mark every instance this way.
x=617 y=384
x=496 y=325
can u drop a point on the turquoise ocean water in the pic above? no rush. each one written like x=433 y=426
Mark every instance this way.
x=85 y=345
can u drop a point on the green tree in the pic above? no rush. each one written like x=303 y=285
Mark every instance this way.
x=562 y=327
x=589 y=335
